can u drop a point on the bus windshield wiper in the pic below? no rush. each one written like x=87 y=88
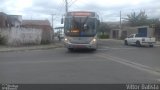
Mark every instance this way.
x=85 y=20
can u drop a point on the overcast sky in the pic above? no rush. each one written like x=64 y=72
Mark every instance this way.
x=108 y=10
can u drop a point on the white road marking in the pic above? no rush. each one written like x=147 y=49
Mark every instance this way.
x=130 y=64
x=102 y=49
x=123 y=48
x=74 y=59
x=158 y=80
x=157 y=45
x=107 y=48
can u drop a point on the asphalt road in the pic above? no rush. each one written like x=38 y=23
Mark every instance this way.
x=111 y=63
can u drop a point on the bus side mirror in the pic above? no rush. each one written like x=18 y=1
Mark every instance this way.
x=98 y=22
x=62 y=20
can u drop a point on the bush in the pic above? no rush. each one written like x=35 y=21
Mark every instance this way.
x=103 y=36
x=2 y=40
x=45 y=42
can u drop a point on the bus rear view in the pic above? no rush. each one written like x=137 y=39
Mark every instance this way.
x=80 y=29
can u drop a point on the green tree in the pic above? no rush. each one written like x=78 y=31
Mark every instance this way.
x=103 y=28
x=154 y=22
x=134 y=19
x=2 y=39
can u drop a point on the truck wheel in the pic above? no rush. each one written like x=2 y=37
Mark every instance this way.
x=138 y=44
x=93 y=49
x=150 y=45
x=125 y=42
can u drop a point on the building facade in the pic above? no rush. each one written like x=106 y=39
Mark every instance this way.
x=145 y=31
x=44 y=25
x=7 y=21
x=15 y=20
x=3 y=20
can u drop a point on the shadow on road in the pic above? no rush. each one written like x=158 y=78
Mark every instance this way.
x=143 y=46
x=82 y=51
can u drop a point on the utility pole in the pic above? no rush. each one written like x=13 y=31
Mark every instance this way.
x=52 y=19
x=52 y=35
x=120 y=25
x=66 y=6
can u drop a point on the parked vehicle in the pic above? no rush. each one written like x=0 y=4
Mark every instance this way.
x=138 y=40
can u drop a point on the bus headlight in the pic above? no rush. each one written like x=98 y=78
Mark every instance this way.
x=94 y=40
x=66 y=40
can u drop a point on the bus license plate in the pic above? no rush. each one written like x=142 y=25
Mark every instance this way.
x=79 y=46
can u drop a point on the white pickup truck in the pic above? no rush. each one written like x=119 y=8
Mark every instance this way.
x=138 y=40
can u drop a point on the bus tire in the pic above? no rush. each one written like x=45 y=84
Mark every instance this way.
x=150 y=45
x=94 y=49
x=70 y=49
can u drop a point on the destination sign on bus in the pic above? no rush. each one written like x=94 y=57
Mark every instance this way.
x=75 y=30
x=81 y=14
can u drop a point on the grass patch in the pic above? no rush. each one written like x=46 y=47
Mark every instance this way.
x=2 y=40
x=103 y=36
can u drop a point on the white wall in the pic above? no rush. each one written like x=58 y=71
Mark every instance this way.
x=21 y=36
x=132 y=30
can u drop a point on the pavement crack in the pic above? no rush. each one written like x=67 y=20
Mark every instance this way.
x=158 y=80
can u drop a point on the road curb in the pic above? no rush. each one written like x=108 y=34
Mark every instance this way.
x=12 y=49
x=157 y=42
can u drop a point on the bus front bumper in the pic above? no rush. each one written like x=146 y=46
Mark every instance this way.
x=81 y=46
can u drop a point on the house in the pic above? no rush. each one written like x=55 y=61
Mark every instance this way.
x=125 y=30
x=15 y=20
x=115 y=33
x=3 y=20
x=44 y=25
x=10 y=20
x=115 y=28
x=145 y=31
x=113 y=25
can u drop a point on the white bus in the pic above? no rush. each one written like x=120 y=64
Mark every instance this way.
x=80 y=30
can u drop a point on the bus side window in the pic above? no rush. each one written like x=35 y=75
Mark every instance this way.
x=62 y=21
x=98 y=22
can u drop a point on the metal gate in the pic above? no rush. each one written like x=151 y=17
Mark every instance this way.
x=115 y=34
x=142 y=32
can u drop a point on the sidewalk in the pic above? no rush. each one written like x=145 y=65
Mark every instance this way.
x=33 y=47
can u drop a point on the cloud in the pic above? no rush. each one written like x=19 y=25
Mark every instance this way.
x=108 y=10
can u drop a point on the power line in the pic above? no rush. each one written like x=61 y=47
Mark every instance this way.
x=72 y=3
x=57 y=14
x=52 y=19
x=66 y=6
x=59 y=10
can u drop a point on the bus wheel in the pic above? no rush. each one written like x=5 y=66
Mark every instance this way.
x=94 y=49
x=150 y=45
x=71 y=49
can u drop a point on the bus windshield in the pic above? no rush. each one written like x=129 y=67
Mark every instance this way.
x=80 y=26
